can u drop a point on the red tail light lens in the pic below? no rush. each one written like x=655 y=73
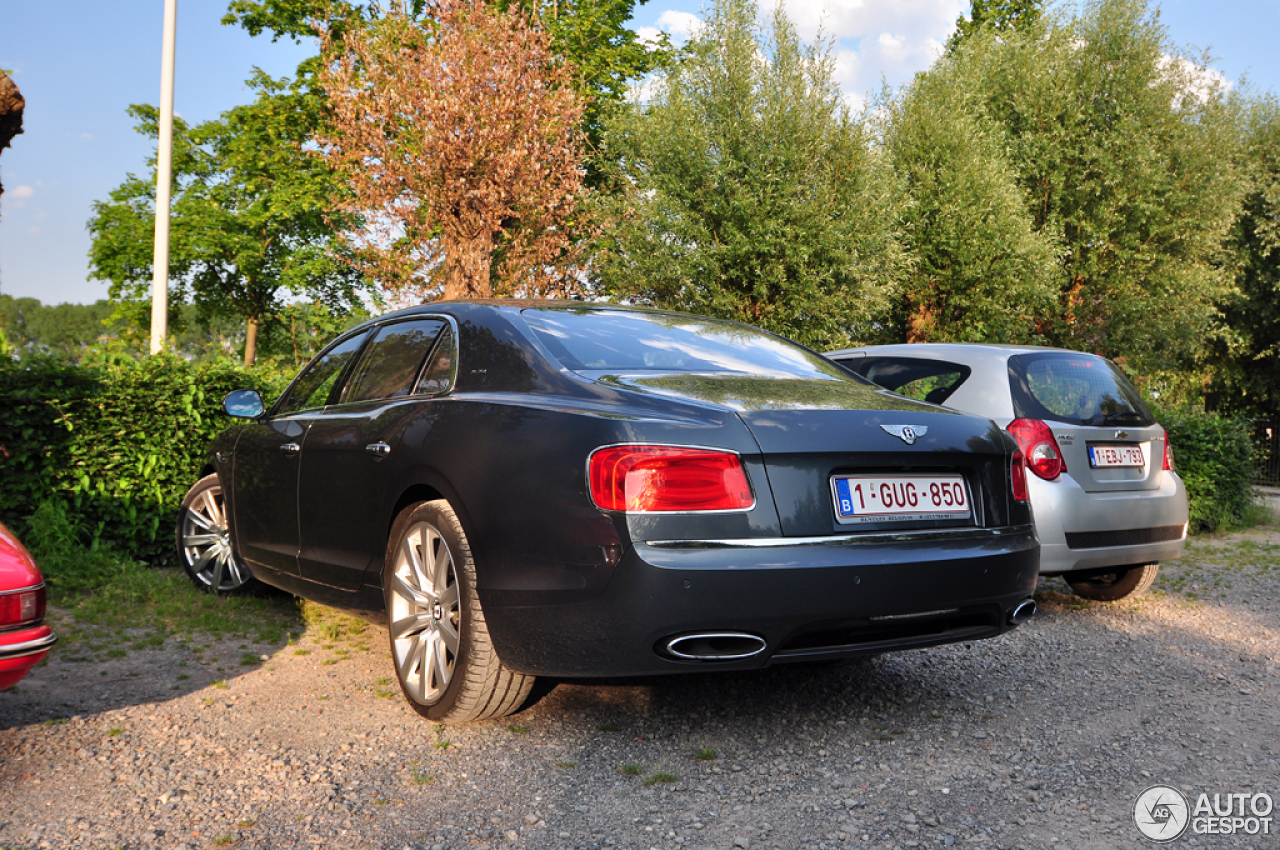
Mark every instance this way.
x=1167 y=465
x=1018 y=475
x=668 y=478
x=23 y=607
x=1043 y=457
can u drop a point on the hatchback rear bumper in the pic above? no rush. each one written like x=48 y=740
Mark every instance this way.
x=790 y=599
x=1080 y=530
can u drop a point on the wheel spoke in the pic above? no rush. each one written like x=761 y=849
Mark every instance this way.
x=219 y=565
x=448 y=599
x=426 y=662
x=412 y=559
x=201 y=520
x=416 y=598
x=211 y=509
x=449 y=635
x=405 y=667
x=442 y=663
x=443 y=566
x=200 y=539
x=199 y=564
x=407 y=627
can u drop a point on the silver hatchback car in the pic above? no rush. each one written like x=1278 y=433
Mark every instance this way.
x=1108 y=504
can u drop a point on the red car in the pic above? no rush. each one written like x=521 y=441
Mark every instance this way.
x=24 y=638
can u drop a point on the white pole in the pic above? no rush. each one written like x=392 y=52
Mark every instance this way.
x=164 y=178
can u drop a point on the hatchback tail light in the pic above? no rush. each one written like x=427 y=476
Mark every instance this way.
x=22 y=607
x=1036 y=440
x=1167 y=464
x=668 y=478
x=1018 y=475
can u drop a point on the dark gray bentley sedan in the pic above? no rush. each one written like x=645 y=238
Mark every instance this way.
x=559 y=489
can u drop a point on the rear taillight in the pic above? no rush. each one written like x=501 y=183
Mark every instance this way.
x=1018 y=475
x=1043 y=457
x=22 y=607
x=1167 y=464
x=668 y=478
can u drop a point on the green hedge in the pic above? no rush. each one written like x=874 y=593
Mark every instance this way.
x=118 y=442
x=1214 y=456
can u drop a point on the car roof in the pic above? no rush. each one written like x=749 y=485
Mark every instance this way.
x=962 y=351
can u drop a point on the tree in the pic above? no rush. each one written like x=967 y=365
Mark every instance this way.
x=12 y=105
x=1123 y=147
x=982 y=273
x=591 y=34
x=1247 y=361
x=65 y=329
x=1000 y=15
x=461 y=141
x=749 y=193
x=252 y=221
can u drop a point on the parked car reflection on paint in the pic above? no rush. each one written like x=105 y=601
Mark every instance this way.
x=527 y=489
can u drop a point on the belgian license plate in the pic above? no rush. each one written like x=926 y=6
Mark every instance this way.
x=1107 y=457
x=864 y=498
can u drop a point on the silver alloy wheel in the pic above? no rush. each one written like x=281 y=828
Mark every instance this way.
x=206 y=543
x=425 y=613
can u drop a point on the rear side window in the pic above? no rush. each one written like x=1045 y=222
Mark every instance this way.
x=1078 y=389
x=933 y=381
x=438 y=374
x=390 y=366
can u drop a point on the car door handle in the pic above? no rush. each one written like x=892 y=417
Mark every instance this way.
x=291 y=449
x=378 y=450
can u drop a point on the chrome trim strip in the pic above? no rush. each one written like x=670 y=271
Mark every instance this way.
x=22 y=589
x=31 y=647
x=848 y=539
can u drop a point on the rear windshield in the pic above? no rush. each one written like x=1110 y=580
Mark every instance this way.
x=933 y=381
x=632 y=341
x=1078 y=389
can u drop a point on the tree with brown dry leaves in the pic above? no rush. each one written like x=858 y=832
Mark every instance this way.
x=460 y=136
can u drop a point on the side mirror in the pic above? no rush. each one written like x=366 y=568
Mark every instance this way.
x=244 y=404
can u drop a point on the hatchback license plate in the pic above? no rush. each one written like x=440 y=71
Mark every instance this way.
x=1108 y=457
x=863 y=498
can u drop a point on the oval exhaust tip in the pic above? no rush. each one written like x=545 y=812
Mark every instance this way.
x=1022 y=612
x=715 y=646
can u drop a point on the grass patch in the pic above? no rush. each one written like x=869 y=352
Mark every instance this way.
x=221 y=684
x=421 y=777
x=631 y=769
x=115 y=730
x=104 y=587
x=660 y=777
x=564 y=765
x=332 y=625
x=246 y=823
x=517 y=729
x=705 y=754
x=248 y=659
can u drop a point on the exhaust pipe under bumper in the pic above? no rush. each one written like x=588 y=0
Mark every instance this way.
x=1023 y=611
x=714 y=646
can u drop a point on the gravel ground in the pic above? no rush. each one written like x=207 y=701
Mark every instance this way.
x=1039 y=739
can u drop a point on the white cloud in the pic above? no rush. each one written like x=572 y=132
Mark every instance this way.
x=1200 y=83
x=680 y=24
x=21 y=192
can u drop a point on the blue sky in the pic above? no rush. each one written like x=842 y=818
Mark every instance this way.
x=80 y=63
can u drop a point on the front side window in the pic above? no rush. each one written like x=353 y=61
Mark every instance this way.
x=313 y=387
x=391 y=363
x=1079 y=389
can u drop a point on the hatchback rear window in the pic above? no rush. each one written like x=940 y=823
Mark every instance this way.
x=634 y=341
x=1078 y=389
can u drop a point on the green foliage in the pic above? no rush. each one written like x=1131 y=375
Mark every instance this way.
x=982 y=272
x=251 y=221
x=747 y=192
x=999 y=15
x=1247 y=365
x=64 y=329
x=1214 y=457
x=1123 y=146
x=119 y=441
x=102 y=586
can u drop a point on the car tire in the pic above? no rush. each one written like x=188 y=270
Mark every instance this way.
x=204 y=542
x=1122 y=583
x=445 y=661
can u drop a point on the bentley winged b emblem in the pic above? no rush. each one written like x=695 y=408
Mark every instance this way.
x=907 y=433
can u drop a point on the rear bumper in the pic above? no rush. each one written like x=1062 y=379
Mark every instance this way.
x=22 y=650
x=1070 y=522
x=805 y=598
